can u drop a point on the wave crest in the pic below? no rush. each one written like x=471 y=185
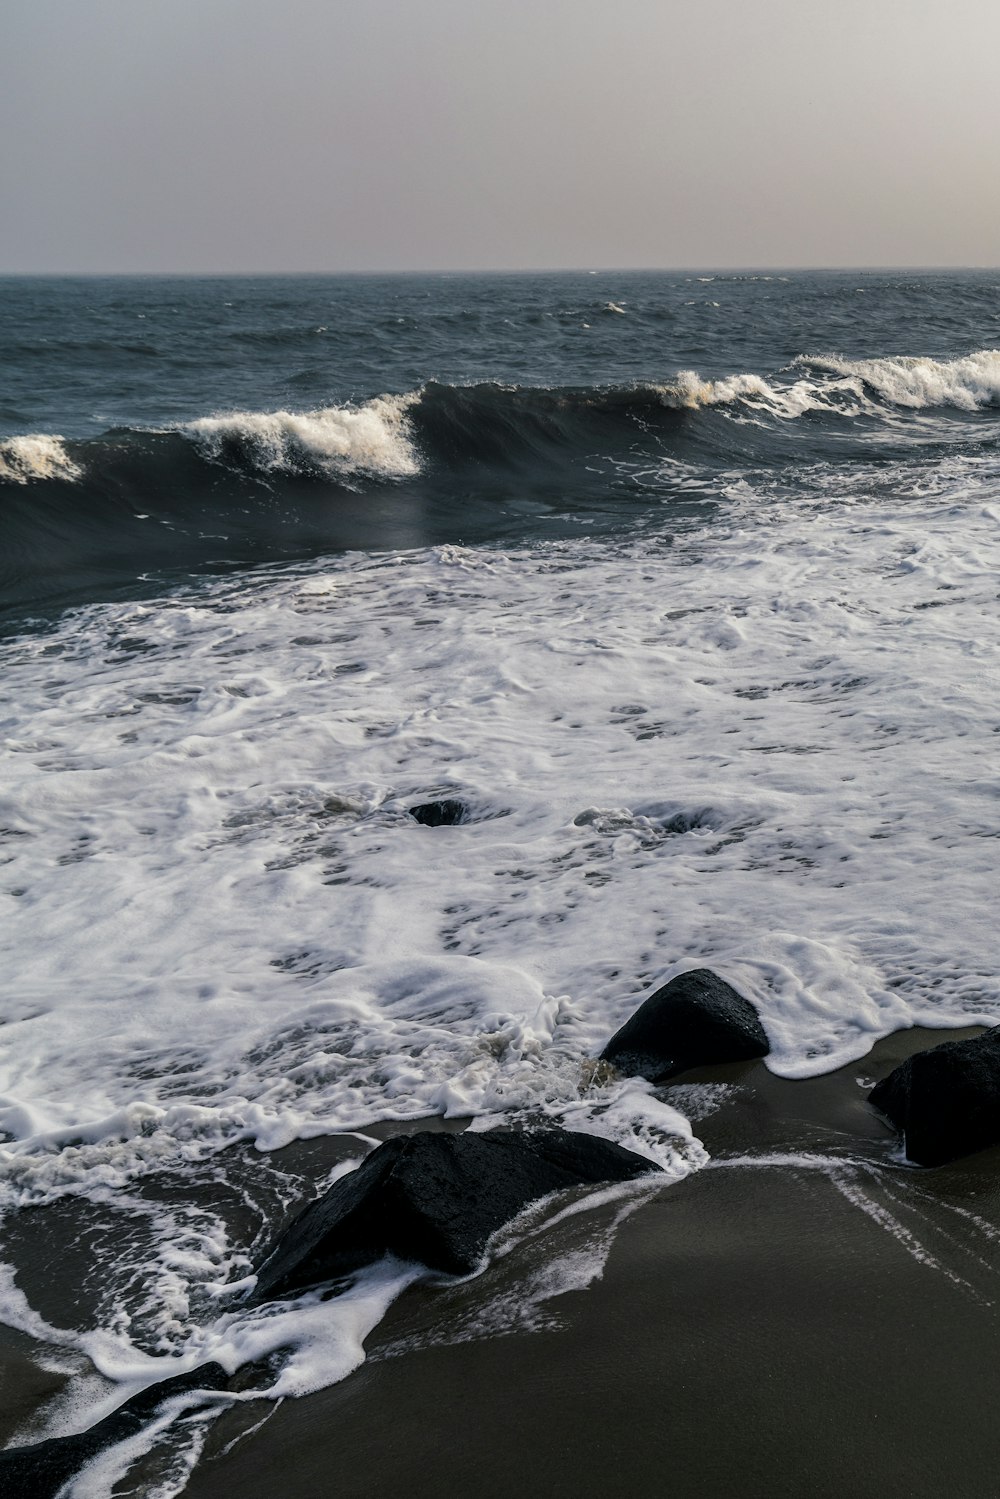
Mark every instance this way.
x=373 y=439
x=969 y=383
x=689 y=391
x=36 y=456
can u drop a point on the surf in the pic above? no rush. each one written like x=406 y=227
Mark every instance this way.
x=439 y=464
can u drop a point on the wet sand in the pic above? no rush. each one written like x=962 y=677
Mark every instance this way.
x=821 y=1325
x=756 y=1332
x=750 y=1336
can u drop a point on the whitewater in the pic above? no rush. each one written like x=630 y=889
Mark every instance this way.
x=715 y=679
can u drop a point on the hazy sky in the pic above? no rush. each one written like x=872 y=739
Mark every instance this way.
x=245 y=135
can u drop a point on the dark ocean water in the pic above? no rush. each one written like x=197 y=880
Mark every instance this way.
x=536 y=406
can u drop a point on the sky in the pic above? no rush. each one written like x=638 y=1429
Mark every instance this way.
x=319 y=135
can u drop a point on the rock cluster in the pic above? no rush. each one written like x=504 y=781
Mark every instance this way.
x=437 y=1198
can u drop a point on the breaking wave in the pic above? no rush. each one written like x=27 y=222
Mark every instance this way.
x=439 y=464
x=968 y=384
x=35 y=456
x=336 y=441
x=394 y=436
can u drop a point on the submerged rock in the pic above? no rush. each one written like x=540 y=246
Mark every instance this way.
x=442 y=814
x=945 y=1101
x=435 y=1198
x=694 y=1021
x=41 y=1470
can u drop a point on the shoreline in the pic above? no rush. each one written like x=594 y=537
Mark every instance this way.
x=804 y=1315
x=758 y=1329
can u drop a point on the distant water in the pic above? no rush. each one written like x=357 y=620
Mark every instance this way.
x=686 y=585
x=154 y=428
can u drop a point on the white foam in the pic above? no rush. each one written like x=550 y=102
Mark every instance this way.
x=37 y=455
x=555 y=1253
x=760 y=780
x=968 y=384
x=767 y=748
x=99 y=1477
x=688 y=391
x=373 y=438
x=17 y=1312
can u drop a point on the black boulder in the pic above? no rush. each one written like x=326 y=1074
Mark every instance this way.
x=435 y=1198
x=945 y=1101
x=696 y=1020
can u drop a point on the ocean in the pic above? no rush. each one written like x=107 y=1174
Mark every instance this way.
x=685 y=585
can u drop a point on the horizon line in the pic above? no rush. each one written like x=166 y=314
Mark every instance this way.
x=579 y=270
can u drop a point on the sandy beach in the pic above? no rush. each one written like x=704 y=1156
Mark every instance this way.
x=755 y=1332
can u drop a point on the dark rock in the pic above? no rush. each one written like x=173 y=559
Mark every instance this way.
x=435 y=1198
x=946 y=1101
x=443 y=814
x=40 y=1471
x=694 y=1021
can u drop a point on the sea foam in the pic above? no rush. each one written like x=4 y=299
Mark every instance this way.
x=35 y=456
x=224 y=929
x=374 y=438
x=744 y=766
x=968 y=384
